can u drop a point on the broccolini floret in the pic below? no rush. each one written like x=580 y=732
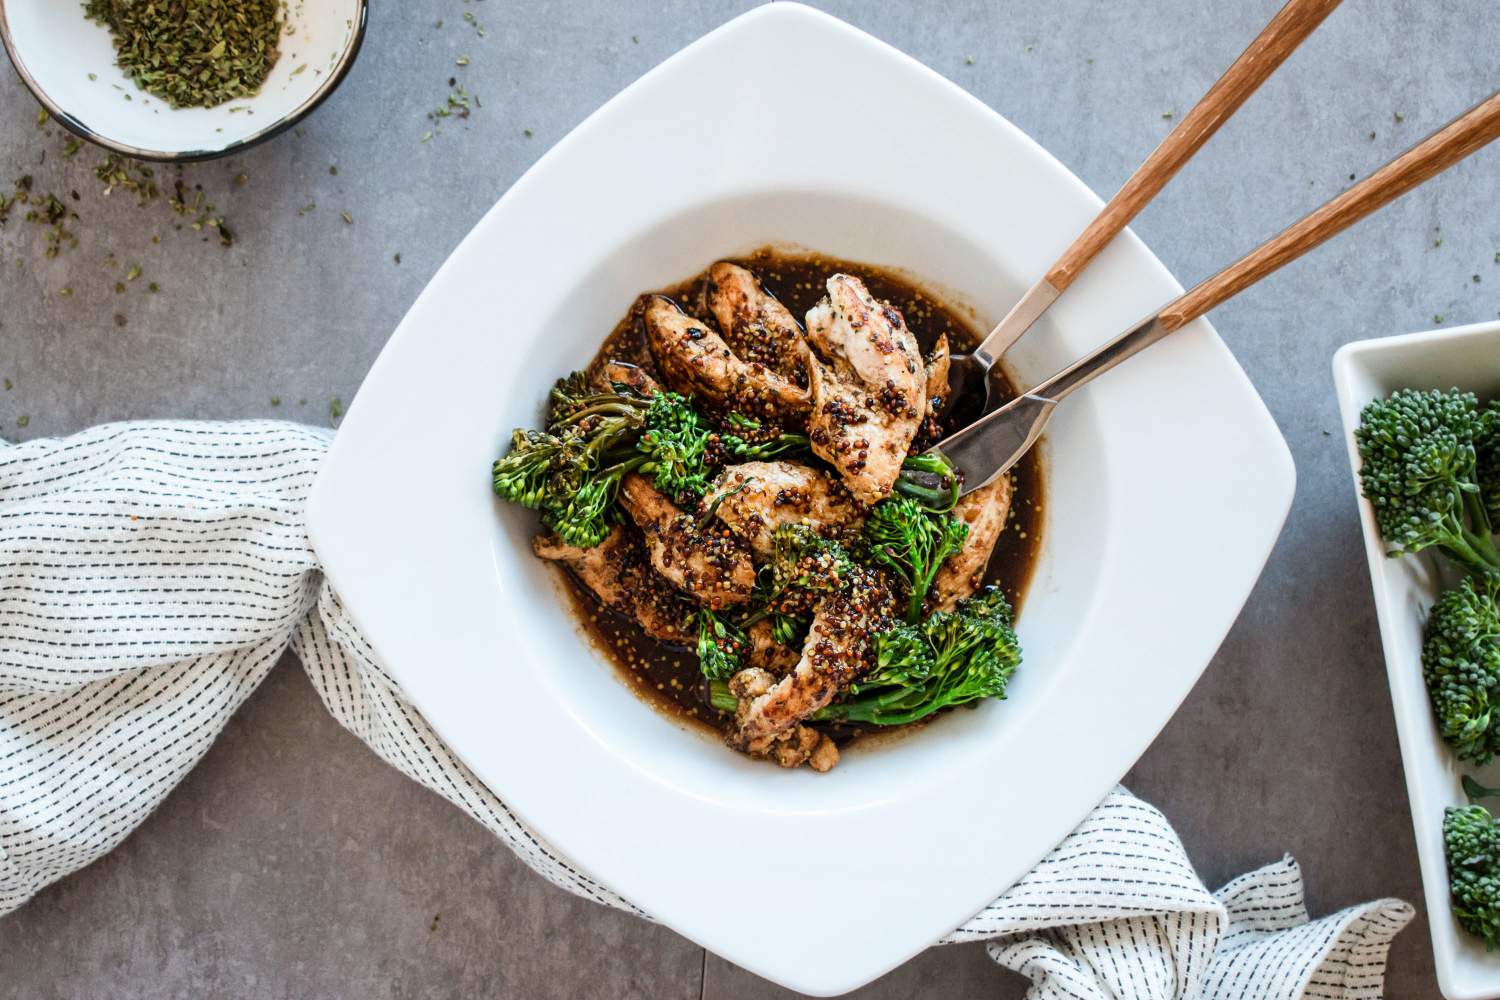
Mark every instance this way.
x=905 y=538
x=803 y=567
x=1461 y=666
x=950 y=658
x=673 y=446
x=567 y=397
x=572 y=471
x=522 y=476
x=1487 y=460
x=1420 y=472
x=721 y=646
x=802 y=559
x=1471 y=843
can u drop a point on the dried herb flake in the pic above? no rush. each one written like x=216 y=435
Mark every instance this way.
x=193 y=54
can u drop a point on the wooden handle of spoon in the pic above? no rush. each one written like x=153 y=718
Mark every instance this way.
x=1431 y=156
x=1287 y=29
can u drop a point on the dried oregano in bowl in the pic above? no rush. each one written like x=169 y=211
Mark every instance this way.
x=193 y=53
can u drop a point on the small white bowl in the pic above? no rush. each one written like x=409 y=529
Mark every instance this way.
x=1467 y=357
x=68 y=62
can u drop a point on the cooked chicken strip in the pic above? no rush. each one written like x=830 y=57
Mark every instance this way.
x=617 y=571
x=766 y=653
x=756 y=498
x=868 y=387
x=936 y=372
x=838 y=649
x=713 y=568
x=986 y=511
x=936 y=391
x=696 y=362
x=756 y=326
x=798 y=745
x=604 y=377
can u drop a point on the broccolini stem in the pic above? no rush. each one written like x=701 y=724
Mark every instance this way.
x=1474 y=790
x=713 y=508
x=1474 y=552
x=1481 y=545
x=720 y=697
x=881 y=710
x=929 y=480
x=755 y=616
x=615 y=406
x=779 y=445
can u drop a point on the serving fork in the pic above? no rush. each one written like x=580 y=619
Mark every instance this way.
x=969 y=374
x=985 y=449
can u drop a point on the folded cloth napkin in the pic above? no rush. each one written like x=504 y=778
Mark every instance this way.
x=151 y=574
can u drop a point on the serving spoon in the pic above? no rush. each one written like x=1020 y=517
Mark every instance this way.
x=969 y=374
x=985 y=449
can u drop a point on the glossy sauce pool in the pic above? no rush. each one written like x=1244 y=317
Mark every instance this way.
x=666 y=677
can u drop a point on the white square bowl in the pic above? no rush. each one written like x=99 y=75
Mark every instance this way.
x=788 y=125
x=1467 y=357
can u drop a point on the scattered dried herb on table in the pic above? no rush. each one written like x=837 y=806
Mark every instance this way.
x=193 y=53
x=44 y=210
x=56 y=215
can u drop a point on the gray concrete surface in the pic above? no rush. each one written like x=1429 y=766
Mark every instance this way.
x=292 y=863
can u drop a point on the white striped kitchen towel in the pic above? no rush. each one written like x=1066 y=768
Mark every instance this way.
x=152 y=573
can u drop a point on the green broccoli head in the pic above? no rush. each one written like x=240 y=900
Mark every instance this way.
x=1471 y=843
x=950 y=658
x=572 y=471
x=980 y=633
x=803 y=565
x=584 y=517
x=569 y=395
x=673 y=444
x=521 y=476
x=803 y=568
x=901 y=535
x=722 y=646
x=1419 y=469
x=1487 y=460
x=1461 y=665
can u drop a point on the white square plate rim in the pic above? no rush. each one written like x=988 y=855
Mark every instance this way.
x=1432 y=772
x=345 y=520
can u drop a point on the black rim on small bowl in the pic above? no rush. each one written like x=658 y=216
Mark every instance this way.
x=78 y=128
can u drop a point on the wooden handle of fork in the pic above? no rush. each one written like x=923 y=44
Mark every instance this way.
x=1287 y=29
x=1431 y=156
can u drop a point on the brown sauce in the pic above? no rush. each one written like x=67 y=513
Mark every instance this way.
x=668 y=678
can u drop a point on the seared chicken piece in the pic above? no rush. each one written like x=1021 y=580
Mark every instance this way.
x=712 y=567
x=798 y=745
x=617 y=571
x=838 y=649
x=756 y=498
x=936 y=391
x=756 y=326
x=936 y=372
x=695 y=361
x=985 y=511
x=766 y=653
x=868 y=387
x=604 y=377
